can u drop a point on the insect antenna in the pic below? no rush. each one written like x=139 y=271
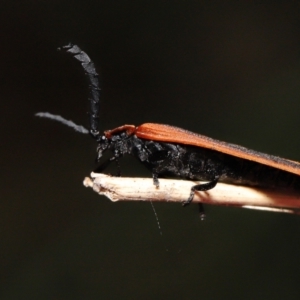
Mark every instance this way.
x=64 y=121
x=94 y=87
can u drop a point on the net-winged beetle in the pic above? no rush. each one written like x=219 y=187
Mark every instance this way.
x=171 y=151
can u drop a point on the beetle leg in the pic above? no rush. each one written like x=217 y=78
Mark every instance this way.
x=118 y=167
x=158 y=170
x=105 y=164
x=201 y=212
x=155 y=179
x=200 y=188
x=115 y=159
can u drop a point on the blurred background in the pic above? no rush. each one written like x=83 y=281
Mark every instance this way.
x=229 y=70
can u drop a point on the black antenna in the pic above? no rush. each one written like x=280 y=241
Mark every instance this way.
x=94 y=88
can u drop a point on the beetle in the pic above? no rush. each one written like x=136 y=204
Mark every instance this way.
x=174 y=152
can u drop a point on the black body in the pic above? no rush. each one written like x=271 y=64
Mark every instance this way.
x=195 y=163
x=177 y=160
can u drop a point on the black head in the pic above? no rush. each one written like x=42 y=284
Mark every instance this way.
x=118 y=142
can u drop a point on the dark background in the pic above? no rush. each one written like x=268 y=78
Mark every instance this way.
x=227 y=70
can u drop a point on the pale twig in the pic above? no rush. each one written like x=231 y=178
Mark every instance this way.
x=174 y=190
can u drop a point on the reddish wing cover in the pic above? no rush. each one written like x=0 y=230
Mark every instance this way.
x=171 y=134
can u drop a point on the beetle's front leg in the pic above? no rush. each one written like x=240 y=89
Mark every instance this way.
x=106 y=163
